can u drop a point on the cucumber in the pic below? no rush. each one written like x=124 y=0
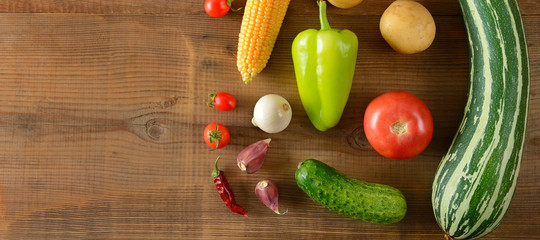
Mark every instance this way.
x=476 y=179
x=371 y=202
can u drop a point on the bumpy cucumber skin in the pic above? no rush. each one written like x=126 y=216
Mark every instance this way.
x=371 y=202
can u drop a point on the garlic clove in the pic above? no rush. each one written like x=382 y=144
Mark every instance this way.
x=267 y=191
x=251 y=158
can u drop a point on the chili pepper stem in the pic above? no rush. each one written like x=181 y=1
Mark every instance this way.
x=322 y=15
x=215 y=172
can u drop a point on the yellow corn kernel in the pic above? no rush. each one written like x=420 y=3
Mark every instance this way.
x=260 y=27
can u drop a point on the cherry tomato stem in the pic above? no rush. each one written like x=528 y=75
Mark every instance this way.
x=216 y=135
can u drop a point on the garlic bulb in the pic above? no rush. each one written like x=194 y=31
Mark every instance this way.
x=272 y=113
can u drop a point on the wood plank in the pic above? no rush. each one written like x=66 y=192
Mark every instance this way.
x=368 y=7
x=101 y=119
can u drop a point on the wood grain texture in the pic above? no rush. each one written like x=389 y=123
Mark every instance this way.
x=369 y=7
x=101 y=119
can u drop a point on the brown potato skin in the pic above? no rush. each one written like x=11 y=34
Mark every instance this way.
x=407 y=26
x=345 y=3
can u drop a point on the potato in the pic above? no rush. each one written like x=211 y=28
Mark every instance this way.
x=407 y=27
x=345 y=3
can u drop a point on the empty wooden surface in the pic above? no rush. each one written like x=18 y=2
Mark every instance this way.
x=102 y=107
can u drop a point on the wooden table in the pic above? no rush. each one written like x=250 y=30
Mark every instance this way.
x=103 y=104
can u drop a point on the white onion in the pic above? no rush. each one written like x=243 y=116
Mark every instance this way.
x=272 y=113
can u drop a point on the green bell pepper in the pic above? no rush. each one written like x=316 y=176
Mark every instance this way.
x=324 y=63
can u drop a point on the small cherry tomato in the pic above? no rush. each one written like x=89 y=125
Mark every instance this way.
x=398 y=125
x=216 y=135
x=217 y=8
x=222 y=101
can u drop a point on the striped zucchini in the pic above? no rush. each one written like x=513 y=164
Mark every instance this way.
x=475 y=180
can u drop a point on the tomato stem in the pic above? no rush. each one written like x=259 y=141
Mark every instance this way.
x=212 y=97
x=399 y=127
x=229 y=3
x=214 y=136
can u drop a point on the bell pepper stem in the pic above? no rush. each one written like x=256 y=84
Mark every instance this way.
x=322 y=15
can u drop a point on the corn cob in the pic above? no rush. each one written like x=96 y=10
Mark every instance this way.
x=260 y=27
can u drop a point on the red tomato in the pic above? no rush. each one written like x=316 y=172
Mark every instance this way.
x=216 y=135
x=223 y=101
x=398 y=125
x=216 y=8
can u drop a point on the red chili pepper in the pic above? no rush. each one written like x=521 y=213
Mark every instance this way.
x=225 y=191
